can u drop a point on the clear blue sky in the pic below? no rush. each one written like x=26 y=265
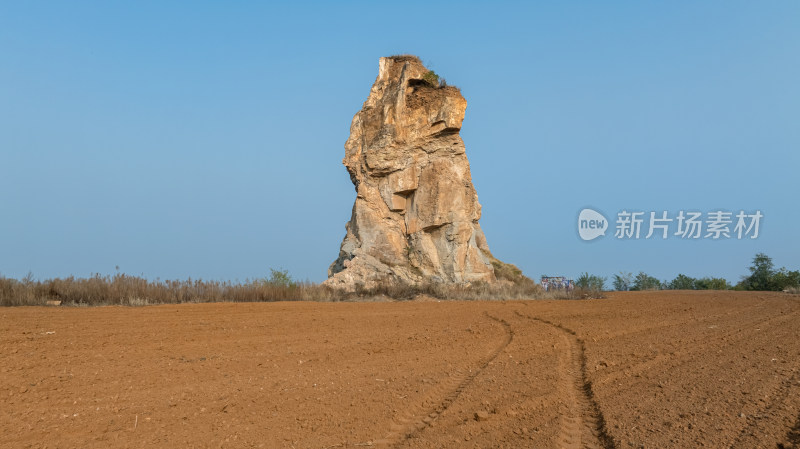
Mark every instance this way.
x=204 y=139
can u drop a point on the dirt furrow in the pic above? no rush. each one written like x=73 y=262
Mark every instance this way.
x=439 y=399
x=689 y=349
x=752 y=432
x=677 y=321
x=792 y=437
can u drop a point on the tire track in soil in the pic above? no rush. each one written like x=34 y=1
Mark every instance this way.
x=582 y=423
x=422 y=415
x=793 y=437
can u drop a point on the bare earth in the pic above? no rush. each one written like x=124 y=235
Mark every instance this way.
x=662 y=369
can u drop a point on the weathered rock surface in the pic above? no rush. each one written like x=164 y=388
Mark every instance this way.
x=415 y=218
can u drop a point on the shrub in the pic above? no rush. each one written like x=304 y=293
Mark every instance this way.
x=508 y=272
x=708 y=283
x=623 y=281
x=643 y=281
x=590 y=282
x=761 y=273
x=280 y=278
x=763 y=276
x=431 y=78
x=683 y=282
x=784 y=279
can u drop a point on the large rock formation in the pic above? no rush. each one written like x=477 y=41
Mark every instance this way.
x=416 y=213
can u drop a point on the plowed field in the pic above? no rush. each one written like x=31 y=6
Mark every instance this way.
x=656 y=369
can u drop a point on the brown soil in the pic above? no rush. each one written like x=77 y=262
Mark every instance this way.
x=663 y=369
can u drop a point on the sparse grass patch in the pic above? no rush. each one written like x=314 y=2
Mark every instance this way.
x=509 y=272
x=405 y=57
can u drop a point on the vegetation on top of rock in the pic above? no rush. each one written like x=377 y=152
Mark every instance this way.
x=433 y=80
x=405 y=57
x=510 y=272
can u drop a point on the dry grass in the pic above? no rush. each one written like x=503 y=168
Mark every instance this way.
x=509 y=272
x=405 y=58
x=502 y=290
x=127 y=290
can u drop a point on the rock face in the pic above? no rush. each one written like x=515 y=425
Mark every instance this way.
x=415 y=218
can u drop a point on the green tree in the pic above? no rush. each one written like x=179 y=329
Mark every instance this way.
x=784 y=279
x=764 y=276
x=644 y=281
x=683 y=282
x=623 y=281
x=761 y=273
